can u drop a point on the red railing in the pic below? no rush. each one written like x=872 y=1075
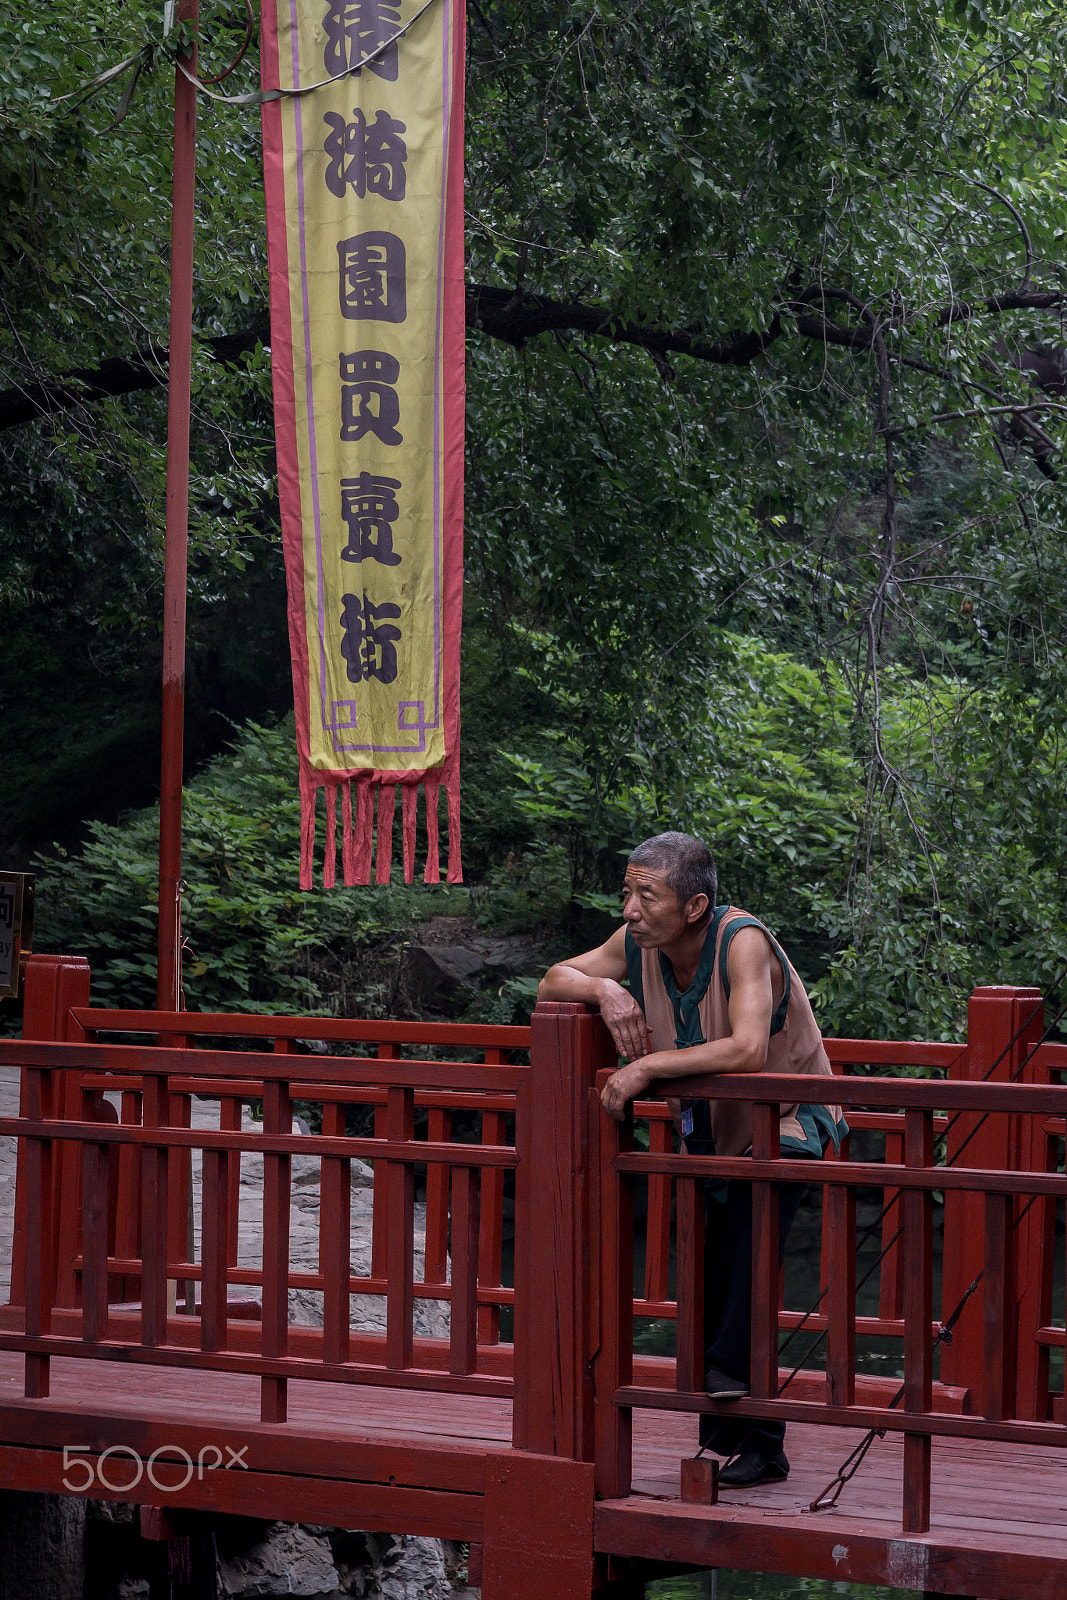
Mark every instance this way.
x=103 y=1237
x=1003 y=1195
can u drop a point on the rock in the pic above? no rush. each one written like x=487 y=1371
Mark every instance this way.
x=384 y=1566
x=428 y=973
x=42 y=1546
x=280 y=1558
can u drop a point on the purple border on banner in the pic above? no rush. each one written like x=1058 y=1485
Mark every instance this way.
x=332 y=724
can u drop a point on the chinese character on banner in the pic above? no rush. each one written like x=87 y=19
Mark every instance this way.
x=372 y=279
x=366 y=157
x=368 y=510
x=369 y=403
x=369 y=644
x=354 y=28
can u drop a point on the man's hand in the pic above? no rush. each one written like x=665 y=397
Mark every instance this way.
x=622 y=1086
x=625 y=1019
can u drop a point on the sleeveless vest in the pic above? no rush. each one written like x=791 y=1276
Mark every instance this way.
x=701 y=1014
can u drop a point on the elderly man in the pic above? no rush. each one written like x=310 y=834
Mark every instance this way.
x=710 y=990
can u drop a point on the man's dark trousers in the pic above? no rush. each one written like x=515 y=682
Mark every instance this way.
x=728 y=1308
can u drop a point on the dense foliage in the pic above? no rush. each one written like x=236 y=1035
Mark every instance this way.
x=765 y=534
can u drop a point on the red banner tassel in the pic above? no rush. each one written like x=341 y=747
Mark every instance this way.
x=433 y=865
x=410 y=795
x=364 y=829
x=329 y=860
x=386 y=807
x=309 y=790
x=455 y=860
x=348 y=842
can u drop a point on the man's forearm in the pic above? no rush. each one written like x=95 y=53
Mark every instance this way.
x=715 y=1056
x=562 y=982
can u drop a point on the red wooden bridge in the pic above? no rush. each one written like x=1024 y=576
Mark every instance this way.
x=131 y=1370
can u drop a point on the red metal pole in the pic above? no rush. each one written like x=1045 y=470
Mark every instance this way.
x=176 y=562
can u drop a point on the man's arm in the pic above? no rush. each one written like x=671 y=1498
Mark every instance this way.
x=595 y=977
x=745 y=1048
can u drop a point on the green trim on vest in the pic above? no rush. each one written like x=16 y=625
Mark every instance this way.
x=735 y=926
x=633 y=970
x=819 y=1129
x=687 y=1030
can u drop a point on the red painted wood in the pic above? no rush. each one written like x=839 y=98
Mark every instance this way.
x=277 y=1175
x=553 y=1373
x=335 y=1243
x=999 y=1307
x=155 y=1179
x=690 y=1274
x=491 y=1226
x=400 y=1244
x=538 y=1528
x=918 y=1310
x=658 y=1228
x=764 y=1379
x=463 y=1326
x=435 y=1267
x=613 y=1363
x=252 y=1025
x=214 y=1220
x=839 y=1211
x=838 y=1548
x=1003 y=1025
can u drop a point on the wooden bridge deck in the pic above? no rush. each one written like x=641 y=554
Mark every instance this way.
x=557 y=1456
x=373 y=1457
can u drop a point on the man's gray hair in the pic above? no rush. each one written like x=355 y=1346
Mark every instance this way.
x=688 y=863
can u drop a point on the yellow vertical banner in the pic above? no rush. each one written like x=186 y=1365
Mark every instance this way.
x=363 y=154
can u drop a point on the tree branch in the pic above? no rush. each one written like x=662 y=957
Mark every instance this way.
x=513 y=316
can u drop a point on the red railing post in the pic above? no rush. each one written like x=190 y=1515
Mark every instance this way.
x=557 y=1288
x=54 y=984
x=1003 y=1026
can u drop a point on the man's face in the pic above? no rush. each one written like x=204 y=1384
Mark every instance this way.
x=653 y=912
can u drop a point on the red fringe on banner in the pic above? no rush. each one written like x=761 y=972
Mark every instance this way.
x=363 y=842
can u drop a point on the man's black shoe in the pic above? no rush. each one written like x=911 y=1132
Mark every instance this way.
x=754 y=1467
x=720 y=1386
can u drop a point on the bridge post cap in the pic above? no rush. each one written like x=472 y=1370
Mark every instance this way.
x=1005 y=991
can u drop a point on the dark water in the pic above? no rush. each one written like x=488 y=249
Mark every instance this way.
x=764 y=1586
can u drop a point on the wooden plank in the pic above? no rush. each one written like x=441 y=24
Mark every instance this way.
x=918 y=1311
x=277 y=1174
x=491 y=1230
x=255 y=1065
x=335 y=1242
x=832 y=1547
x=94 y=1241
x=253 y=1025
x=935 y=1424
x=214 y=1220
x=374 y=1507
x=689 y=1364
x=155 y=1182
x=435 y=1258
x=538 y=1528
x=891 y=1273
x=613 y=1362
x=859 y=1173
x=71 y=1130
x=400 y=1242
x=999 y=1308
x=764 y=1377
x=840 y=1214
x=463 y=1324
x=38 y=1257
x=341 y=1453
x=658 y=1226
